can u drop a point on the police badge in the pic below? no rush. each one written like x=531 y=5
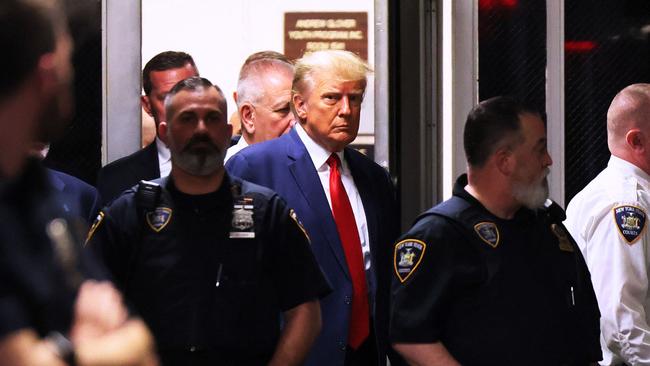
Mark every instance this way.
x=488 y=232
x=407 y=257
x=158 y=218
x=630 y=221
x=242 y=220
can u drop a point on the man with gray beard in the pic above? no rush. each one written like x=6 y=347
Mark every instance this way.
x=490 y=276
x=213 y=264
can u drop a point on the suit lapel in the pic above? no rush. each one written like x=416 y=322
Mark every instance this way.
x=306 y=178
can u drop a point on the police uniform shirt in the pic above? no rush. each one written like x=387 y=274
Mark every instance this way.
x=493 y=291
x=39 y=277
x=210 y=274
x=608 y=220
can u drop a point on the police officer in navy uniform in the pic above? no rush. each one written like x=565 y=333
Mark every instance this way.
x=55 y=308
x=490 y=276
x=221 y=269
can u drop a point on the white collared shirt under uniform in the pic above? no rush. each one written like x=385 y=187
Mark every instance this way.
x=319 y=157
x=234 y=149
x=164 y=158
x=618 y=265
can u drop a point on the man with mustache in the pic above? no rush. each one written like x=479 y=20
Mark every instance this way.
x=214 y=264
x=488 y=277
x=608 y=218
x=159 y=75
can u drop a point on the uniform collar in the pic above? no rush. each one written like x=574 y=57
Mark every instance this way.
x=625 y=168
x=459 y=191
x=202 y=202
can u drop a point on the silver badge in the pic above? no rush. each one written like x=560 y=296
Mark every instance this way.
x=243 y=225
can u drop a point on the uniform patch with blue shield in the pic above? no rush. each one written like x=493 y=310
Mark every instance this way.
x=407 y=257
x=159 y=218
x=488 y=232
x=630 y=221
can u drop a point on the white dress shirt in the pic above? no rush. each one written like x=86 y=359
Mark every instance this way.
x=164 y=158
x=619 y=268
x=234 y=149
x=319 y=157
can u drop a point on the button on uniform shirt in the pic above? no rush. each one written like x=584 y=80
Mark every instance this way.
x=607 y=219
x=164 y=158
x=319 y=157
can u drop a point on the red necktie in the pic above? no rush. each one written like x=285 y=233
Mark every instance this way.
x=349 y=235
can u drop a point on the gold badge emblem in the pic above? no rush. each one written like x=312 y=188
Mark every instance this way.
x=159 y=218
x=407 y=257
x=488 y=232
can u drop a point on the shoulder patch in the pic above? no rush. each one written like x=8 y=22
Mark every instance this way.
x=630 y=221
x=407 y=257
x=94 y=226
x=294 y=217
x=488 y=232
x=159 y=218
x=564 y=241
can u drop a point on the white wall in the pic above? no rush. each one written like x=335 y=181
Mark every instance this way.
x=220 y=34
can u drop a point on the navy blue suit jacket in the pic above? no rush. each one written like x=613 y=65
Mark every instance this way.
x=76 y=197
x=284 y=165
x=124 y=173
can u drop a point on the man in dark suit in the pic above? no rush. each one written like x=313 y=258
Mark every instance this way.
x=345 y=201
x=160 y=74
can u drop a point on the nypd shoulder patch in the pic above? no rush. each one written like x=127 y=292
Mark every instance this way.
x=159 y=218
x=488 y=232
x=94 y=226
x=407 y=257
x=294 y=217
x=630 y=221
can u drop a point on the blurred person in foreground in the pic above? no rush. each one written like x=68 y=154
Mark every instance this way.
x=54 y=307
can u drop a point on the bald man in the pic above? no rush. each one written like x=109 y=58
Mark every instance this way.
x=608 y=219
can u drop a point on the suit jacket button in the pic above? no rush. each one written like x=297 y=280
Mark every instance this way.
x=347 y=300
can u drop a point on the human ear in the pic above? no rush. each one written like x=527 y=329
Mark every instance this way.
x=300 y=106
x=635 y=139
x=247 y=117
x=146 y=104
x=504 y=161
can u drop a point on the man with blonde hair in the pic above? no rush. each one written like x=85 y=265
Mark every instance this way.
x=608 y=219
x=345 y=201
x=263 y=97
